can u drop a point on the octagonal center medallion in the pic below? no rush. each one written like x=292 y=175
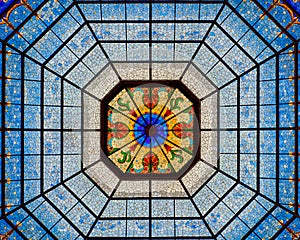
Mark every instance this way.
x=152 y=129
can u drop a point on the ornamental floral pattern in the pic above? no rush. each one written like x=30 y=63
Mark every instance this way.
x=151 y=129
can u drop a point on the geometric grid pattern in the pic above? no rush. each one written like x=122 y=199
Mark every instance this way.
x=247 y=187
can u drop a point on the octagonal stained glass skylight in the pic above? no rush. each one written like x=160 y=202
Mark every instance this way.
x=63 y=62
x=151 y=128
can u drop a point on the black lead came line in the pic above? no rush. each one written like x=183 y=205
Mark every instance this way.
x=137 y=153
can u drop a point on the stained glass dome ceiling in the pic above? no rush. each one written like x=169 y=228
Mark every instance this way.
x=61 y=59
